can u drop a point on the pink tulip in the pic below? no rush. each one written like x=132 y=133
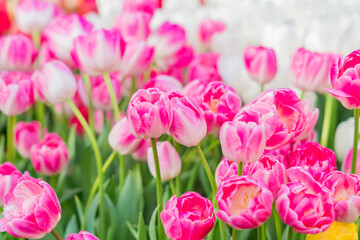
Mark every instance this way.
x=31 y=209
x=83 y=235
x=190 y=216
x=208 y=28
x=311 y=118
x=204 y=67
x=137 y=58
x=99 y=92
x=347 y=162
x=244 y=202
x=16 y=92
x=61 y=33
x=346 y=193
x=50 y=156
x=45 y=55
x=220 y=104
x=260 y=62
x=146 y=6
x=169 y=160
x=164 y=83
x=242 y=141
x=195 y=89
x=307 y=207
x=188 y=126
x=55 y=82
x=32 y=16
x=26 y=135
x=121 y=139
x=133 y=25
x=17 y=53
x=225 y=170
x=319 y=161
x=311 y=70
x=9 y=176
x=350 y=61
x=149 y=113
x=140 y=154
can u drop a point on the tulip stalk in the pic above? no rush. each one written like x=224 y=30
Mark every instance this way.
x=207 y=169
x=234 y=234
x=98 y=164
x=11 y=122
x=112 y=96
x=330 y=112
x=121 y=171
x=40 y=111
x=56 y=234
x=158 y=186
x=240 y=168
x=277 y=223
x=356 y=135
x=290 y=233
x=91 y=106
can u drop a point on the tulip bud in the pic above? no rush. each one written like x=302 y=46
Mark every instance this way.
x=26 y=135
x=169 y=160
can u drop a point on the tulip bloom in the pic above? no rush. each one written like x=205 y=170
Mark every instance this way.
x=17 y=53
x=169 y=160
x=9 y=176
x=16 y=92
x=149 y=113
x=346 y=194
x=188 y=126
x=195 y=89
x=134 y=25
x=50 y=156
x=55 y=82
x=190 y=216
x=260 y=62
x=204 y=67
x=225 y=170
x=99 y=52
x=83 y=235
x=121 y=139
x=31 y=209
x=146 y=6
x=244 y=202
x=140 y=154
x=208 y=28
x=26 y=135
x=164 y=83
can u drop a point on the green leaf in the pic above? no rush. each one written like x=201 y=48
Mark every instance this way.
x=68 y=194
x=79 y=208
x=91 y=216
x=152 y=224
x=141 y=228
x=72 y=226
x=132 y=230
x=111 y=211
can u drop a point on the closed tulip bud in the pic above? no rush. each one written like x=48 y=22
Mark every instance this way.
x=26 y=135
x=9 y=176
x=121 y=138
x=99 y=52
x=83 y=235
x=55 y=82
x=149 y=113
x=260 y=62
x=61 y=33
x=31 y=209
x=133 y=25
x=188 y=126
x=32 y=16
x=164 y=83
x=16 y=92
x=190 y=216
x=244 y=202
x=17 y=53
x=50 y=156
x=169 y=160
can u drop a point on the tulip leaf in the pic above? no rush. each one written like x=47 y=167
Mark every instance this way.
x=152 y=224
x=91 y=216
x=111 y=211
x=68 y=194
x=72 y=226
x=141 y=228
x=132 y=230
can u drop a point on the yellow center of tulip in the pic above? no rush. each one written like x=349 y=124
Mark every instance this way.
x=241 y=199
x=213 y=104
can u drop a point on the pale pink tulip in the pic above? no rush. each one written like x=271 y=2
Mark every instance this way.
x=208 y=28
x=140 y=154
x=9 y=176
x=26 y=135
x=195 y=90
x=133 y=25
x=204 y=67
x=164 y=83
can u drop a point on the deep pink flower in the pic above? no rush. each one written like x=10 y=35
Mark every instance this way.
x=346 y=193
x=226 y=169
x=319 y=161
x=220 y=104
x=26 y=135
x=133 y=25
x=311 y=70
x=244 y=202
x=164 y=83
x=121 y=138
x=31 y=209
x=83 y=235
x=350 y=61
x=204 y=67
x=61 y=33
x=98 y=52
x=16 y=92
x=50 y=156
x=208 y=28
x=17 y=53
x=9 y=176
x=147 y=6
x=149 y=113
x=260 y=62
x=190 y=216
x=188 y=126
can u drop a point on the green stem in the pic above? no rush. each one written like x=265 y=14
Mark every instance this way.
x=263 y=231
x=258 y=233
x=36 y=39
x=234 y=234
x=40 y=111
x=222 y=230
x=262 y=87
x=121 y=171
x=91 y=106
x=207 y=169
x=330 y=112
x=158 y=186
x=178 y=185
x=99 y=166
x=96 y=185
x=172 y=187
x=133 y=85
x=11 y=122
x=302 y=95
x=53 y=180
x=277 y=223
x=240 y=168
x=356 y=133
x=56 y=234
x=112 y=96
x=290 y=233
x=297 y=236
